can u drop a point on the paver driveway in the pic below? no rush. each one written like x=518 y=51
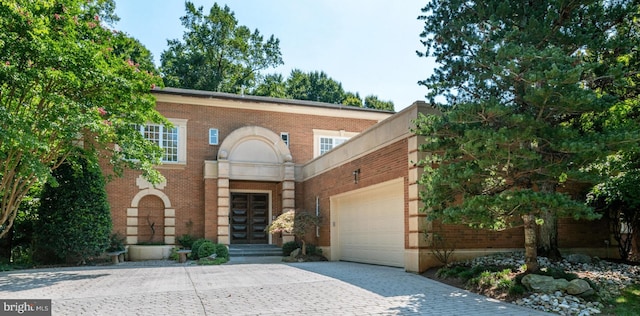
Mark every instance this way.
x=318 y=288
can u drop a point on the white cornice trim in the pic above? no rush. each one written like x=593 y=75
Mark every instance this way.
x=288 y=107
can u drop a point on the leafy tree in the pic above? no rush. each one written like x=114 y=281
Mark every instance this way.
x=314 y=86
x=64 y=86
x=217 y=54
x=131 y=49
x=297 y=223
x=74 y=221
x=372 y=102
x=619 y=197
x=523 y=81
x=272 y=85
x=352 y=99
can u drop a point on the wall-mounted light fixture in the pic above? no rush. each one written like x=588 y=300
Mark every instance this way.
x=356 y=175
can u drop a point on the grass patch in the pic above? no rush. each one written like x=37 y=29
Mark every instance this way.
x=211 y=262
x=628 y=303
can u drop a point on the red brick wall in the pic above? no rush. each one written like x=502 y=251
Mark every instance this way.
x=151 y=220
x=380 y=166
x=186 y=184
x=299 y=126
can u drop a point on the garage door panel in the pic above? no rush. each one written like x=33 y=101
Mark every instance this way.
x=371 y=225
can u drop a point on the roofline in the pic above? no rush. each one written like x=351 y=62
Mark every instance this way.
x=253 y=98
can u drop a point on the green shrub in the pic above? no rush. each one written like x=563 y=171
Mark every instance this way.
x=74 y=221
x=517 y=289
x=116 y=242
x=288 y=247
x=313 y=250
x=174 y=254
x=222 y=251
x=194 y=247
x=186 y=241
x=452 y=272
x=206 y=249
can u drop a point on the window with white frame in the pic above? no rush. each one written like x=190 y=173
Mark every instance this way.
x=326 y=140
x=172 y=140
x=213 y=136
x=327 y=143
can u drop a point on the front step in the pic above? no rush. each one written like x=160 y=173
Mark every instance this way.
x=262 y=250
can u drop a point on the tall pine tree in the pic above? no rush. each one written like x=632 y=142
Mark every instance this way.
x=522 y=81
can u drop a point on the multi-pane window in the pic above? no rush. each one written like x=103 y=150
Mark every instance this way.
x=165 y=137
x=213 y=136
x=328 y=143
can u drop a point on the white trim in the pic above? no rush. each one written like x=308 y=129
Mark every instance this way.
x=344 y=111
x=322 y=133
x=217 y=136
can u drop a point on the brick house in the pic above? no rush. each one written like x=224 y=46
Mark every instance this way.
x=233 y=163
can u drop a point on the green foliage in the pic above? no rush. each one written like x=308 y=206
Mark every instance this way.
x=517 y=290
x=618 y=196
x=314 y=86
x=206 y=249
x=628 y=302
x=484 y=278
x=372 y=102
x=529 y=92
x=353 y=99
x=288 y=247
x=488 y=279
x=557 y=273
x=74 y=221
x=66 y=78
x=217 y=54
x=195 y=246
x=209 y=261
x=222 y=251
x=174 y=254
x=116 y=242
x=186 y=241
x=272 y=85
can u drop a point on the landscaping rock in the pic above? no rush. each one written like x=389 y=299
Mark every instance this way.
x=543 y=283
x=578 y=258
x=295 y=253
x=579 y=287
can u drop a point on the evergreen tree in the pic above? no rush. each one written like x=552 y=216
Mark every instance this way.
x=74 y=221
x=523 y=82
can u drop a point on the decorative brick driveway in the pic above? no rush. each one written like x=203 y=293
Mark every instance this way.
x=317 y=288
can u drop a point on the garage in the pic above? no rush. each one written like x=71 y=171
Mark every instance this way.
x=368 y=224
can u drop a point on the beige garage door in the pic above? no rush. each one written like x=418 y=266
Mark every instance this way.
x=368 y=224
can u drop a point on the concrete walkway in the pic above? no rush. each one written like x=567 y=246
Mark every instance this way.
x=246 y=287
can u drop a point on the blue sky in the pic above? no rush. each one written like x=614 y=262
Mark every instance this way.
x=368 y=46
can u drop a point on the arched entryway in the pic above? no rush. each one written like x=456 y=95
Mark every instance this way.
x=250 y=155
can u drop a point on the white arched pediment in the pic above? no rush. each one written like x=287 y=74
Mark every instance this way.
x=254 y=153
x=268 y=146
x=254 y=150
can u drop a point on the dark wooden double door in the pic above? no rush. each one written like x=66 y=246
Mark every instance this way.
x=249 y=217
